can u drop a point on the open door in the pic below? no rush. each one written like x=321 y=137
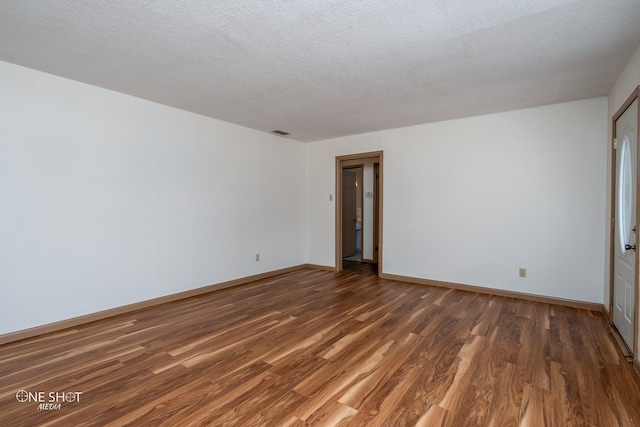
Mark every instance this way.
x=349 y=217
x=625 y=200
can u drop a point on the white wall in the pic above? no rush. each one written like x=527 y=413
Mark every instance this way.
x=107 y=200
x=472 y=200
x=625 y=84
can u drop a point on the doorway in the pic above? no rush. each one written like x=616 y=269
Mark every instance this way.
x=359 y=209
x=623 y=307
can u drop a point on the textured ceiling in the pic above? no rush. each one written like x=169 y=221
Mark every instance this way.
x=321 y=69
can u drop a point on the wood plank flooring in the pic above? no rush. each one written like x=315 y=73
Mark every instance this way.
x=321 y=348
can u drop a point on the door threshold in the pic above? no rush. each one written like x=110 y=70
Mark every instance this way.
x=626 y=352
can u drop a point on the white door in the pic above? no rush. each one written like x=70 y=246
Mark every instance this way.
x=624 y=265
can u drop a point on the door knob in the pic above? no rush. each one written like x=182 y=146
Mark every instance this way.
x=627 y=247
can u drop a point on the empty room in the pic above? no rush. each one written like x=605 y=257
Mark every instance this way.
x=331 y=213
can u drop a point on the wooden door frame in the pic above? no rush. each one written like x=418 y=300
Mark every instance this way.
x=340 y=162
x=616 y=116
x=376 y=208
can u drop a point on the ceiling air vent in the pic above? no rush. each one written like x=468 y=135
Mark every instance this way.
x=280 y=132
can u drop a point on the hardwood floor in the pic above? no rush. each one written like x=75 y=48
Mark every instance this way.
x=322 y=348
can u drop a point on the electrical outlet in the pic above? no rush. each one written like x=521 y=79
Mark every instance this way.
x=523 y=272
x=331 y=197
x=257 y=257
